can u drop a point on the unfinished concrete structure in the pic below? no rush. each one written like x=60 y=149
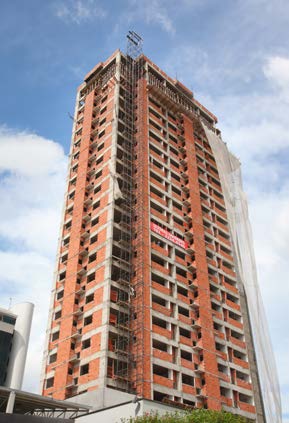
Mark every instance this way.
x=146 y=297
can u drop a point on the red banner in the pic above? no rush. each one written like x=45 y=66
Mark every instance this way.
x=178 y=241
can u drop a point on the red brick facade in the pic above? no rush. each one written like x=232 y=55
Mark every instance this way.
x=162 y=312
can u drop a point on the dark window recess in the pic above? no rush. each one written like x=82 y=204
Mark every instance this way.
x=57 y=315
x=55 y=336
x=182 y=291
x=177 y=205
x=85 y=344
x=186 y=355
x=184 y=311
x=98 y=175
x=176 y=177
x=186 y=333
x=159 y=322
x=160 y=371
x=95 y=221
x=160 y=345
x=60 y=295
x=89 y=298
x=52 y=358
x=49 y=382
x=91 y=277
x=158 y=300
x=92 y=258
x=96 y=205
x=62 y=276
x=187 y=380
x=181 y=272
x=99 y=160
x=84 y=369
x=93 y=239
x=88 y=320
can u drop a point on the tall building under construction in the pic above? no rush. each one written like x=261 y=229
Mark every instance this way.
x=154 y=274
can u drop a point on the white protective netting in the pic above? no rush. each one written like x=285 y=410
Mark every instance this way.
x=241 y=235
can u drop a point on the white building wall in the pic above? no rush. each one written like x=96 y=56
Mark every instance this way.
x=16 y=366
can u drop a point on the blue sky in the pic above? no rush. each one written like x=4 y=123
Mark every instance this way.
x=234 y=56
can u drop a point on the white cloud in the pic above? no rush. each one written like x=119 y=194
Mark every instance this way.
x=152 y=12
x=79 y=11
x=32 y=180
x=28 y=154
x=276 y=69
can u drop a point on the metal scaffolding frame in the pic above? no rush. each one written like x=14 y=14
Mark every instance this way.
x=123 y=342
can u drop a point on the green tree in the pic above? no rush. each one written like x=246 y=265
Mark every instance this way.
x=195 y=416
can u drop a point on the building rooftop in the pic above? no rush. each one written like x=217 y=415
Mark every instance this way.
x=34 y=404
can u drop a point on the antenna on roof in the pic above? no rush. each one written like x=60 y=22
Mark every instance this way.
x=134 y=45
x=10 y=303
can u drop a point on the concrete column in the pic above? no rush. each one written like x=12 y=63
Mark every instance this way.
x=10 y=403
x=16 y=366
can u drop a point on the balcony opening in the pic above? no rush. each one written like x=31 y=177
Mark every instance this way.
x=237 y=335
x=235 y=316
x=185 y=333
x=57 y=315
x=245 y=398
x=156 y=192
x=182 y=291
x=184 y=311
x=91 y=277
x=60 y=295
x=89 y=298
x=186 y=355
x=225 y=392
x=62 y=276
x=158 y=345
x=52 y=358
x=159 y=322
x=94 y=221
x=220 y=347
x=93 y=239
x=239 y=355
x=85 y=344
x=242 y=376
x=84 y=369
x=190 y=403
x=158 y=242
x=159 y=396
x=188 y=380
x=156 y=207
x=159 y=300
x=87 y=320
x=92 y=258
x=156 y=177
x=232 y=298
x=158 y=260
x=159 y=280
x=223 y=369
x=160 y=371
x=55 y=336
x=49 y=382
